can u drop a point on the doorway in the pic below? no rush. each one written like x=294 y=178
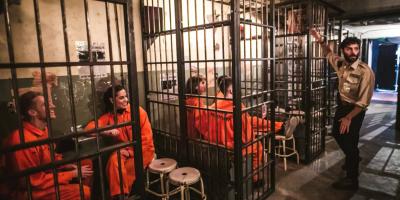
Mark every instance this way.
x=387 y=64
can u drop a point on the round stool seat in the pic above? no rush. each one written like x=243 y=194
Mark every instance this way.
x=162 y=165
x=184 y=176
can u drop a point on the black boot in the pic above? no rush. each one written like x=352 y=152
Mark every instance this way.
x=344 y=165
x=346 y=184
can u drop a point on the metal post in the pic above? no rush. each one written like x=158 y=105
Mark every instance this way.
x=133 y=98
x=14 y=83
x=307 y=83
x=45 y=93
x=272 y=88
x=237 y=113
x=325 y=82
x=182 y=155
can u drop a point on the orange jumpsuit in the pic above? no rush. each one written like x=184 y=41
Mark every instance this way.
x=197 y=119
x=220 y=94
x=42 y=183
x=222 y=130
x=125 y=135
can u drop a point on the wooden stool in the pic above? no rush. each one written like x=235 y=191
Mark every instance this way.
x=183 y=178
x=161 y=166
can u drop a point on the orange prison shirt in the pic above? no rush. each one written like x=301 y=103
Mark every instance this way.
x=42 y=183
x=222 y=130
x=197 y=119
x=125 y=135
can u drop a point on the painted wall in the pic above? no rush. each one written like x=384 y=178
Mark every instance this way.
x=22 y=20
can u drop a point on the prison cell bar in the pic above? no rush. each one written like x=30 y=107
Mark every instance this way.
x=70 y=89
x=42 y=65
x=15 y=83
x=45 y=91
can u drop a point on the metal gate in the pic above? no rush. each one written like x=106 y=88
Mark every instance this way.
x=300 y=75
x=193 y=48
x=74 y=50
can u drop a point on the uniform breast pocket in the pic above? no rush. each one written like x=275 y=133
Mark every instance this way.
x=352 y=84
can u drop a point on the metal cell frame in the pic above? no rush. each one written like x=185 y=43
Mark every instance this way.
x=119 y=7
x=334 y=39
x=301 y=72
x=174 y=45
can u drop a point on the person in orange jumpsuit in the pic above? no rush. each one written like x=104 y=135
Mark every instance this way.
x=197 y=119
x=123 y=134
x=221 y=125
x=42 y=183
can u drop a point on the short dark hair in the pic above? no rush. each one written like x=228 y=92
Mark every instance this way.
x=221 y=78
x=26 y=103
x=192 y=84
x=224 y=83
x=348 y=41
x=109 y=106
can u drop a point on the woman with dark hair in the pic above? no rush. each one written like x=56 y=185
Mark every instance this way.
x=196 y=118
x=221 y=125
x=124 y=134
x=220 y=94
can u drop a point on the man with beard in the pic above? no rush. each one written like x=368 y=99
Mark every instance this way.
x=42 y=183
x=356 y=85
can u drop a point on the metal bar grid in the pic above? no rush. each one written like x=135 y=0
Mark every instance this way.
x=188 y=46
x=125 y=62
x=300 y=76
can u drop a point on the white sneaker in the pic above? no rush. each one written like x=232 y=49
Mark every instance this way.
x=291 y=125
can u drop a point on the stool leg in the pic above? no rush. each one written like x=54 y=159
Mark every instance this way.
x=279 y=147
x=147 y=179
x=284 y=153
x=167 y=187
x=203 y=196
x=162 y=185
x=295 y=151
x=187 y=191
x=182 y=187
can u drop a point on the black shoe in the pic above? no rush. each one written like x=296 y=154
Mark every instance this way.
x=344 y=165
x=346 y=184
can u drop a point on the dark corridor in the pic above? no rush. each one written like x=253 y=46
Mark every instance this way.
x=385 y=73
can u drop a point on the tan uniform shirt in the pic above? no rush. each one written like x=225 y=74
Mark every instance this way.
x=356 y=81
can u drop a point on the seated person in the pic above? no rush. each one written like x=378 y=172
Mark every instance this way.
x=123 y=134
x=197 y=119
x=42 y=183
x=257 y=123
x=221 y=125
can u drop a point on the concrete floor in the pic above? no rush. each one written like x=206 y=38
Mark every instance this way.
x=379 y=168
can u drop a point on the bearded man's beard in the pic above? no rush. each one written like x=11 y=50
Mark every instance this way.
x=351 y=58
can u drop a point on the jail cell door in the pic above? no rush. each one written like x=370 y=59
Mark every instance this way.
x=192 y=49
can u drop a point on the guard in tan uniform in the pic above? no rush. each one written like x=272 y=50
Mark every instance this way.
x=356 y=85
